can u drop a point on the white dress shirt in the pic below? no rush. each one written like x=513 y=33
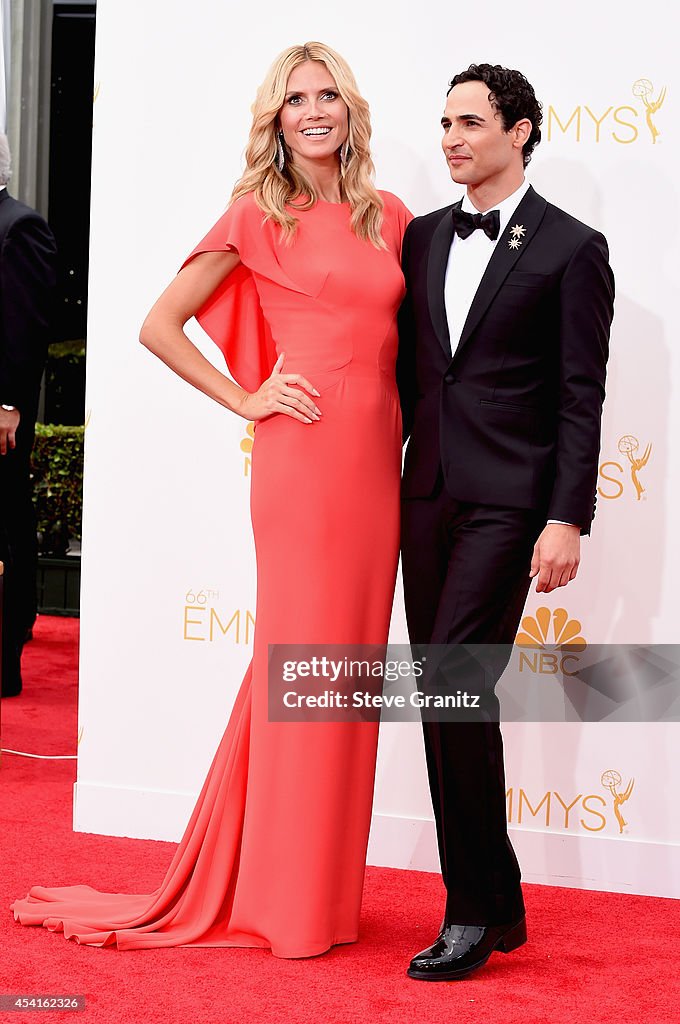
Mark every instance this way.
x=468 y=259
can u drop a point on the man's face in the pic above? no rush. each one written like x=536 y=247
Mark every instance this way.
x=476 y=146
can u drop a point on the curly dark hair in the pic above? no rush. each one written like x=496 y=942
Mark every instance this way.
x=511 y=95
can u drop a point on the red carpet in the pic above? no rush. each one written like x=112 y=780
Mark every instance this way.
x=593 y=958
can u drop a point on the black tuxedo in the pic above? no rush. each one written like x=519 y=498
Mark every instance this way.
x=27 y=278
x=504 y=434
x=514 y=416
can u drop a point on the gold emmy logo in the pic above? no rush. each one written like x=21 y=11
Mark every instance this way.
x=611 y=780
x=247 y=447
x=611 y=472
x=80 y=734
x=203 y=621
x=552 y=811
x=628 y=446
x=88 y=417
x=643 y=89
x=551 y=654
x=619 y=123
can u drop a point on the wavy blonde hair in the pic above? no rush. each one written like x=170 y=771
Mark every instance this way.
x=273 y=188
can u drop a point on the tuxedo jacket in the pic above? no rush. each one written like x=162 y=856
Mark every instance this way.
x=513 y=415
x=27 y=279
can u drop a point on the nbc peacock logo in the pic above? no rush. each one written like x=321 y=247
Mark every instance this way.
x=246 y=447
x=555 y=640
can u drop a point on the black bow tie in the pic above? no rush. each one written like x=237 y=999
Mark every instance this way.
x=465 y=223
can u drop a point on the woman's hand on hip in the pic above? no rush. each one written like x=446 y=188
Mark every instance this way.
x=282 y=393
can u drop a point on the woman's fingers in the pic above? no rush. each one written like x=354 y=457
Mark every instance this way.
x=290 y=410
x=278 y=364
x=296 y=378
x=298 y=400
x=279 y=395
x=303 y=399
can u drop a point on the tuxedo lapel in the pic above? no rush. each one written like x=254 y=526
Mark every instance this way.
x=528 y=215
x=440 y=248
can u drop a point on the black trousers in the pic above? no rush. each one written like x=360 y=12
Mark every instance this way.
x=18 y=552
x=466 y=579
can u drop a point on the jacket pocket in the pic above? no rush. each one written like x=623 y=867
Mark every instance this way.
x=510 y=406
x=528 y=278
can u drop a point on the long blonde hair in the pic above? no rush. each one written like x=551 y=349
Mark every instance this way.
x=273 y=188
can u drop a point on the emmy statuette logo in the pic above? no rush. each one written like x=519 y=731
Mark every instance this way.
x=644 y=89
x=611 y=780
x=554 y=649
x=613 y=473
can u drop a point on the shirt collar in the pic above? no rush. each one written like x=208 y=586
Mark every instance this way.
x=505 y=209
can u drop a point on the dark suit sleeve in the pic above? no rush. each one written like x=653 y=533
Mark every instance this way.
x=586 y=311
x=27 y=279
x=406 y=357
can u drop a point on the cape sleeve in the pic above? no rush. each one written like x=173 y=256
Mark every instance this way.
x=397 y=218
x=233 y=315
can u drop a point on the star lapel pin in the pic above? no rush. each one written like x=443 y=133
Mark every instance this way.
x=516 y=232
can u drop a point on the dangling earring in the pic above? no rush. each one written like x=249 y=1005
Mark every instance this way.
x=344 y=153
x=280 y=152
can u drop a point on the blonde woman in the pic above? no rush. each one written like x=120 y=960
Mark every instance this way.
x=299 y=284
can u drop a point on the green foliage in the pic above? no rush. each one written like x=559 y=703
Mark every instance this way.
x=57 y=470
x=65 y=382
x=73 y=350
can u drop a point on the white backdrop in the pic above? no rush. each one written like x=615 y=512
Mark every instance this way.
x=4 y=62
x=168 y=571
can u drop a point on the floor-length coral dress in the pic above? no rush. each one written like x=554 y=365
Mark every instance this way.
x=274 y=852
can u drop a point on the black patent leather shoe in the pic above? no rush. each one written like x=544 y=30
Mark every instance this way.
x=462 y=948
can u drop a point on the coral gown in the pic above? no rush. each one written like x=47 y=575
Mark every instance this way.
x=273 y=855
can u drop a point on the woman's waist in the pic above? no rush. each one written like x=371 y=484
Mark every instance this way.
x=368 y=391
x=363 y=373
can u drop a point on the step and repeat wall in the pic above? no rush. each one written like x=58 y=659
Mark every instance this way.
x=168 y=593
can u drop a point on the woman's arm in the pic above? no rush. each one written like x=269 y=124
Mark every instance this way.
x=163 y=334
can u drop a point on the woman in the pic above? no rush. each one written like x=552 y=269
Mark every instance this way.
x=299 y=284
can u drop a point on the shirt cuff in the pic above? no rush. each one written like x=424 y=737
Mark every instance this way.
x=560 y=522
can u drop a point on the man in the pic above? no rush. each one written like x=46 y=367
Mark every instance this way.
x=27 y=278
x=503 y=347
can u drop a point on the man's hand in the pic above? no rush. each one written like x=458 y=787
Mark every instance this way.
x=556 y=557
x=9 y=421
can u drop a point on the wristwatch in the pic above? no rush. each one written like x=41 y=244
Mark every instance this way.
x=9 y=408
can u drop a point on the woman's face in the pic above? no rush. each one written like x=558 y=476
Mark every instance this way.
x=313 y=117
